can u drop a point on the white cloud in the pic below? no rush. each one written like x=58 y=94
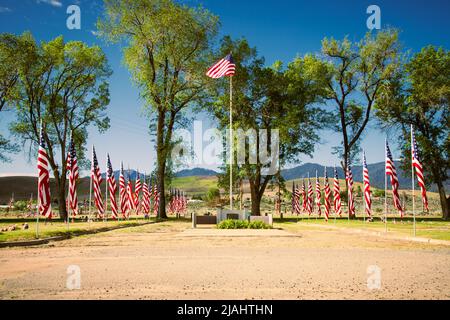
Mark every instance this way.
x=54 y=3
x=5 y=9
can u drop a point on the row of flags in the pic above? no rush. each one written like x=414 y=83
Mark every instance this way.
x=390 y=170
x=143 y=198
x=178 y=201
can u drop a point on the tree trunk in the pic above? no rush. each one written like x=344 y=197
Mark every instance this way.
x=61 y=189
x=256 y=199
x=161 y=187
x=444 y=201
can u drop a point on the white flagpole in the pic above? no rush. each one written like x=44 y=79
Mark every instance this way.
x=90 y=187
x=231 y=142
x=363 y=190
x=38 y=211
x=413 y=181
x=105 y=216
x=68 y=193
x=385 y=187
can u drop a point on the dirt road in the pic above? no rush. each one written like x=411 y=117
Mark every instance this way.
x=169 y=261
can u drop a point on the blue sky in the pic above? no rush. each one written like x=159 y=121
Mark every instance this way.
x=279 y=29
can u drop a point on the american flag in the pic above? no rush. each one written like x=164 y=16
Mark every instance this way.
x=96 y=177
x=390 y=171
x=145 y=197
x=137 y=190
x=131 y=204
x=72 y=169
x=309 y=204
x=156 y=196
x=327 y=196
x=172 y=203
x=337 y=195
x=419 y=169
x=123 y=192
x=366 y=181
x=111 y=180
x=297 y=200
x=225 y=67
x=351 y=200
x=304 y=200
x=45 y=205
x=318 y=196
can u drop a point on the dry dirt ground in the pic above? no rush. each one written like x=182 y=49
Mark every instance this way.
x=170 y=261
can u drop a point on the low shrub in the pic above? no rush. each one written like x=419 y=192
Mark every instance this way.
x=242 y=224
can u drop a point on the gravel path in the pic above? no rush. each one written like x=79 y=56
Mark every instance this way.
x=166 y=262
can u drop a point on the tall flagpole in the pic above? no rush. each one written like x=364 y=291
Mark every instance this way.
x=38 y=211
x=90 y=187
x=68 y=193
x=385 y=188
x=363 y=190
x=105 y=217
x=413 y=180
x=231 y=142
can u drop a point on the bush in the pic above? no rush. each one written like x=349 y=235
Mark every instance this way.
x=242 y=224
x=258 y=225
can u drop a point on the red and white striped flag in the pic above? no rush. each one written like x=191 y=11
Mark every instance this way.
x=44 y=197
x=111 y=181
x=156 y=196
x=131 y=203
x=337 y=195
x=224 y=67
x=309 y=204
x=351 y=200
x=367 y=193
x=137 y=191
x=418 y=169
x=145 y=197
x=392 y=172
x=304 y=199
x=96 y=178
x=327 y=191
x=297 y=200
x=318 y=196
x=123 y=192
x=72 y=169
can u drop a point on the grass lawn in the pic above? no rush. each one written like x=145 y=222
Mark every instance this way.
x=59 y=228
x=427 y=227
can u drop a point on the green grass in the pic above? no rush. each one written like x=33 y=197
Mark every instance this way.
x=195 y=185
x=426 y=227
x=59 y=228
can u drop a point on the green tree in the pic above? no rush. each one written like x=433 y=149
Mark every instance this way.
x=353 y=74
x=167 y=47
x=63 y=85
x=419 y=95
x=11 y=55
x=268 y=98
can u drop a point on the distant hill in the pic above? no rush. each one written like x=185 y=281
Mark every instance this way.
x=376 y=172
x=196 y=172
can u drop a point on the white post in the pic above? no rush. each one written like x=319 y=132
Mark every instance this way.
x=90 y=187
x=413 y=181
x=231 y=142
